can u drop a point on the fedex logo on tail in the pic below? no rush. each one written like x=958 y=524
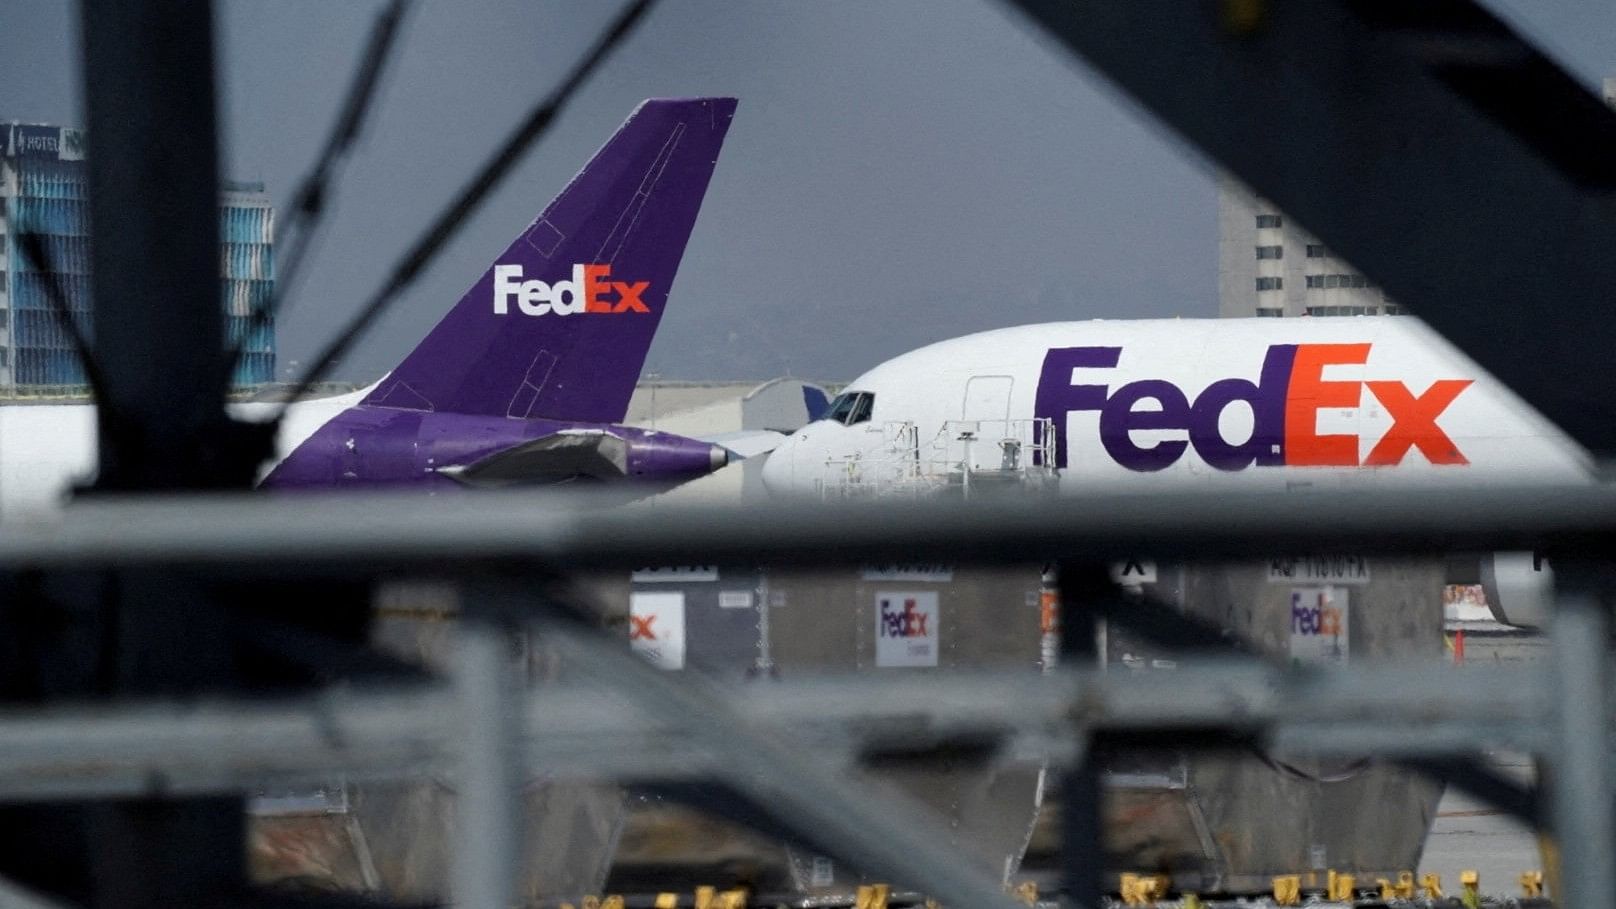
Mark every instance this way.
x=587 y=292
x=1285 y=401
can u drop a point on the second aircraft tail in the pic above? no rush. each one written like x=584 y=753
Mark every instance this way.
x=560 y=324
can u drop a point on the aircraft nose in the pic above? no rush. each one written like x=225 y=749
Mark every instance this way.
x=780 y=470
x=777 y=469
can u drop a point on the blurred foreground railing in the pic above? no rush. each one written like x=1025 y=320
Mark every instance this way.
x=441 y=533
x=576 y=730
x=793 y=747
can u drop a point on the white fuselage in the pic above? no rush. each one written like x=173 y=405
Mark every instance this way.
x=47 y=449
x=1161 y=404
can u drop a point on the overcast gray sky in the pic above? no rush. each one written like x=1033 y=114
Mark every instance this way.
x=898 y=172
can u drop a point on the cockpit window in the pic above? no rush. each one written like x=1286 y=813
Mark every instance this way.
x=851 y=407
x=841 y=407
x=861 y=409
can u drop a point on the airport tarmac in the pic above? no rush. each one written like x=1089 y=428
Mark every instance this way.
x=1472 y=835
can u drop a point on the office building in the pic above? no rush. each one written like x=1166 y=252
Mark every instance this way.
x=1268 y=265
x=44 y=189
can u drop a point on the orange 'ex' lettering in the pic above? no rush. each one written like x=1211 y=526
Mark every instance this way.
x=1414 y=423
x=641 y=628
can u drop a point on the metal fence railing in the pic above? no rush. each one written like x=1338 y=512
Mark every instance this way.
x=785 y=745
x=145 y=702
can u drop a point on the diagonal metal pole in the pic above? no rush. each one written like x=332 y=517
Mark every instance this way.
x=1166 y=626
x=1415 y=139
x=14 y=897
x=883 y=833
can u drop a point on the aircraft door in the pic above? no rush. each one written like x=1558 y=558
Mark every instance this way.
x=996 y=444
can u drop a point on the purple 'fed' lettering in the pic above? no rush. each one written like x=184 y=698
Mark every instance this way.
x=1266 y=397
x=1057 y=396
x=1157 y=404
x=1121 y=416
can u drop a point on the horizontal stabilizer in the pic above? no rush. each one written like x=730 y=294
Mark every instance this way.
x=560 y=456
x=747 y=443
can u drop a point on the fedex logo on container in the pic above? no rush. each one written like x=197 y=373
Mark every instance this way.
x=585 y=293
x=906 y=621
x=1284 y=400
x=906 y=628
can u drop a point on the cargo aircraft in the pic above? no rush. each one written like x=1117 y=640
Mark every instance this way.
x=1253 y=404
x=526 y=380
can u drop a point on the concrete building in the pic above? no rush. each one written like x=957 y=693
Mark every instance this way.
x=1268 y=265
x=704 y=408
x=713 y=409
x=44 y=190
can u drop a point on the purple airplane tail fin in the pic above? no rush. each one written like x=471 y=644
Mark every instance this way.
x=559 y=325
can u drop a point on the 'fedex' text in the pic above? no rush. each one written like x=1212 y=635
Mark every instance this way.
x=587 y=292
x=1284 y=400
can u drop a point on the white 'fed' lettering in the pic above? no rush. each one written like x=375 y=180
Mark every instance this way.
x=535 y=298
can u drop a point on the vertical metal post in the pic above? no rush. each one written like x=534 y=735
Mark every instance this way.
x=489 y=802
x=1582 y=797
x=1049 y=620
x=764 y=666
x=154 y=199
x=1082 y=826
x=149 y=99
x=158 y=333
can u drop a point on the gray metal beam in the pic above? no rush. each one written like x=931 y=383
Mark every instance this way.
x=15 y=897
x=576 y=728
x=489 y=780
x=413 y=532
x=1427 y=143
x=1579 y=766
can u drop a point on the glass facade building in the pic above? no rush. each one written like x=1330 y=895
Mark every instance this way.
x=44 y=190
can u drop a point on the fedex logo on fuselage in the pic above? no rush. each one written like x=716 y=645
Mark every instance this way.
x=1285 y=401
x=585 y=293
